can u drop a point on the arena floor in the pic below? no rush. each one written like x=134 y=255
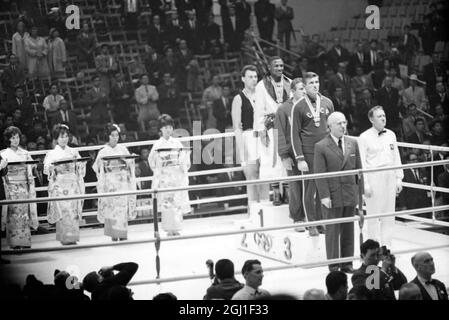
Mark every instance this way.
x=188 y=257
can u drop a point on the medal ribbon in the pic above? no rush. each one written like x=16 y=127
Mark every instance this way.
x=316 y=113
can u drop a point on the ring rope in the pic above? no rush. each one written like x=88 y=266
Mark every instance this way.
x=228 y=184
x=233 y=232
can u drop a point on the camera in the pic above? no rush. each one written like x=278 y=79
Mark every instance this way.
x=385 y=253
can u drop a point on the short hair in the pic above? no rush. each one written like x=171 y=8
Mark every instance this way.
x=373 y=109
x=294 y=83
x=165 y=296
x=335 y=280
x=9 y=133
x=419 y=119
x=310 y=75
x=361 y=293
x=248 y=67
x=273 y=58
x=60 y=129
x=432 y=125
x=109 y=128
x=314 y=294
x=165 y=120
x=224 y=269
x=91 y=281
x=405 y=290
x=248 y=265
x=367 y=245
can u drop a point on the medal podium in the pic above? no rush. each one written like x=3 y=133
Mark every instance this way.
x=287 y=246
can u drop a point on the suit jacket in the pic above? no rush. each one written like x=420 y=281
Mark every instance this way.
x=436 y=99
x=10 y=79
x=390 y=102
x=117 y=93
x=359 y=84
x=430 y=74
x=329 y=158
x=173 y=32
x=191 y=35
x=355 y=61
x=222 y=113
x=72 y=123
x=334 y=58
x=414 y=138
x=156 y=37
x=387 y=284
x=441 y=289
x=243 y=13
x=153 y=65
x=26 y=107
x=284 y=18
x=414 y=198
x=336 y=82
x=361 y=113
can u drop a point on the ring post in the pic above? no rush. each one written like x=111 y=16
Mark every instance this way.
x=157 y=243
x=360 y=209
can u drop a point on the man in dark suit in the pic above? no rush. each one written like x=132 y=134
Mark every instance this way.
x=232 y=31
x=153 y=65
x=192 y=33
x=156 y=34
x=243 y=13
x=67 y=116
x=439 y=98
x=212 y=30
x=337 y=54
x=222 y=109
x=169 y=99
x=97 y=99
x=408 y=44
x=21 y=102
x=420 y=134
x=361 y=110
x=342 y=80
x=390 y=278
x=373 y=57
x=174 y=30
x=285 y=151
x=337 y=152
x=12 y=77
x=264 y=11
x=413 y=198
x=388 y=98
x=284 y=15
x=121 y=95
x=431 y=289
x=357 y=59
x=431 y=72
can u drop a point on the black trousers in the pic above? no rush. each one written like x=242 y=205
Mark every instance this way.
x=295 y=196
x=311 y=200
x=339 y=237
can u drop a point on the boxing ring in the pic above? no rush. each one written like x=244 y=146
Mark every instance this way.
x=177 y=263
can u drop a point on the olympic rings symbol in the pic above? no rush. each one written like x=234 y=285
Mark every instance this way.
x=263 y=241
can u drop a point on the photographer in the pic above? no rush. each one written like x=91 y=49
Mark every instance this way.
x=390 y=278
x=225 y=285
x=99 y=283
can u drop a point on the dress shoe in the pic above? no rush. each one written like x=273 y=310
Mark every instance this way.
x=114 y=239
x=68 y=243
x=313 y=232
x=347 y=269
x=5 y=261
x=276 y=197
x=123 y=239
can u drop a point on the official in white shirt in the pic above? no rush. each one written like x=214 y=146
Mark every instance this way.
x=378 y=148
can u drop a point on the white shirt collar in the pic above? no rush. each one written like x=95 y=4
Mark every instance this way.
x=336 y=139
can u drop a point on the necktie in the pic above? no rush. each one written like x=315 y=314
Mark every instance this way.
x=381 y=132
x=66 y=116
x=417 y=174
x=340 y=145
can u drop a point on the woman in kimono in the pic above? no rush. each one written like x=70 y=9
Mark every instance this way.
x=19 y=184
x=57 y=56
x=18 y=44
x=114 y=176
x=64 y=180
x=37 y=50
x=170 y=170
